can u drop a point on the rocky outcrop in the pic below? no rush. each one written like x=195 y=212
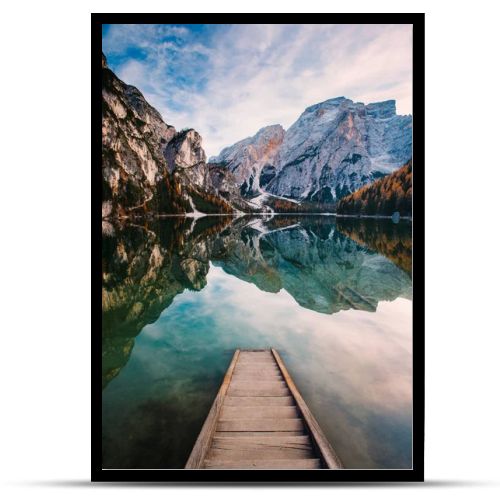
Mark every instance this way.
x=247 y=158
x=334 y=148
x=134 y=138
x=337 y=146
x=185 y=154
x=148 y=167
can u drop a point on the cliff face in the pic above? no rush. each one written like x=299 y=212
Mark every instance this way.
x=252 y=158
x=185 y=154
x=337 y=146
x=148 y=167
x=134 y=138
x=334 y=148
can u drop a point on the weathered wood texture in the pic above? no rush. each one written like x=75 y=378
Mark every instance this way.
x=259 y=421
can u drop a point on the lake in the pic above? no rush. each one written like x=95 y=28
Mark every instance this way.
x=332 y=295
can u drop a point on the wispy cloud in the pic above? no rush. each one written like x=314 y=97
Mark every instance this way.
x=228 y=81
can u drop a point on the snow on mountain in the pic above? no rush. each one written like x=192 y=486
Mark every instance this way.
x=247 y=158
x=334 y=148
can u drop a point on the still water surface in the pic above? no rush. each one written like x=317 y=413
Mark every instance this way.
x=332 y=295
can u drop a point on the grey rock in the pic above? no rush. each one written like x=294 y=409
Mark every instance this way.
x=334 y=148
x=337 y=146
x=148 y=167
x=246 y=159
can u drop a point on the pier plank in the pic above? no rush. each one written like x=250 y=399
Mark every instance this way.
x=256 y=401
x=256 y=391
x=246 y=412
x=311 y=463
x=258 y=434
x=262 y=453
x=258 y=441
x=260 y=424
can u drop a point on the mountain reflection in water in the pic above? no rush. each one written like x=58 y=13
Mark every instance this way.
x=325 y=265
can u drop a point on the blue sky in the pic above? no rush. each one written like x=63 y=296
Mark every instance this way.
x=227 y=81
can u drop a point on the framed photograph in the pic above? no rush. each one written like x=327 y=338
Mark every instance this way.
x=258 y=265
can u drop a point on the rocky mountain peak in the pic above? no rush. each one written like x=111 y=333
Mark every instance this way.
x=247 y=158
x=185 y=150
x=384 y=109
x=334 y=147
x=254 y=146
x=267 y=133
x=184 y=153
x=328 y=104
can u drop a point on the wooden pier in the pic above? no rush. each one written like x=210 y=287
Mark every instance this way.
x=259 y=420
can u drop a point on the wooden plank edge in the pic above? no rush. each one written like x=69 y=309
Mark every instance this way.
x=328 y=455
x=255 y=350
x=204 y=439
x=299 y=464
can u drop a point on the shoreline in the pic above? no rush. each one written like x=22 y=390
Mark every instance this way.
x=255 y=214
x=401 y=217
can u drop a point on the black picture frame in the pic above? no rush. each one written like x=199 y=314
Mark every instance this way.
x=254 y=477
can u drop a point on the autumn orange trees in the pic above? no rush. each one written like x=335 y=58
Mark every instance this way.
x=385 y=196
x=209 y=203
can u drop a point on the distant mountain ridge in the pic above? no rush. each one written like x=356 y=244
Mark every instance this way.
x=334 y=148
x=248 y=159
